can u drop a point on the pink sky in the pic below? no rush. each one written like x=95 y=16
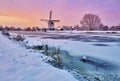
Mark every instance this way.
x=69 y=12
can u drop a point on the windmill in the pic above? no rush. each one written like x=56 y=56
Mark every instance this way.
x=50 y=21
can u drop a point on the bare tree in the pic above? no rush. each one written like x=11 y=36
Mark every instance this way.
x=91 y=21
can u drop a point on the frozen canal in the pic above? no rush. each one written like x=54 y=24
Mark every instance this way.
x=102 y=50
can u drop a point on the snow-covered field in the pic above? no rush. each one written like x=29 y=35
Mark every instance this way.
x=20 y=64
x=103 y=46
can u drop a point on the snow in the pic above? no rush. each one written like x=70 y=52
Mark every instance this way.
x=31 y=42
x=20 y=64
x=106 y=51
x=109 y=50
x=84 y=32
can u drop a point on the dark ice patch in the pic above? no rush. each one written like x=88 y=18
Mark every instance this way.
x=118 y=45
x=100 y=44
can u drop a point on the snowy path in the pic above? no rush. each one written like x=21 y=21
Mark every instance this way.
x=19 y=64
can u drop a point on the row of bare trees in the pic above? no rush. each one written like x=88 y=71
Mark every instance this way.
x=20 y=28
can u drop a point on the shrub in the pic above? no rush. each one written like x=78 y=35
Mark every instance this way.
x=18 y=38
x=37 y=47
x=5 y=33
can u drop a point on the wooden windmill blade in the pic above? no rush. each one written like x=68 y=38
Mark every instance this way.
x=44 y=20
x=50 y=16
x=55 y=20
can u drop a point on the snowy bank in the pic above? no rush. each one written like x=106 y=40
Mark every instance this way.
x=19 y=64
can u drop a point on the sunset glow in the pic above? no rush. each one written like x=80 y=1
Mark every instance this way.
x=69 y=12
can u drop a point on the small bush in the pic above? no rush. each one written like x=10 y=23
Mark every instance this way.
x=18 y=38
x=5 y=33
x=37 y=47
